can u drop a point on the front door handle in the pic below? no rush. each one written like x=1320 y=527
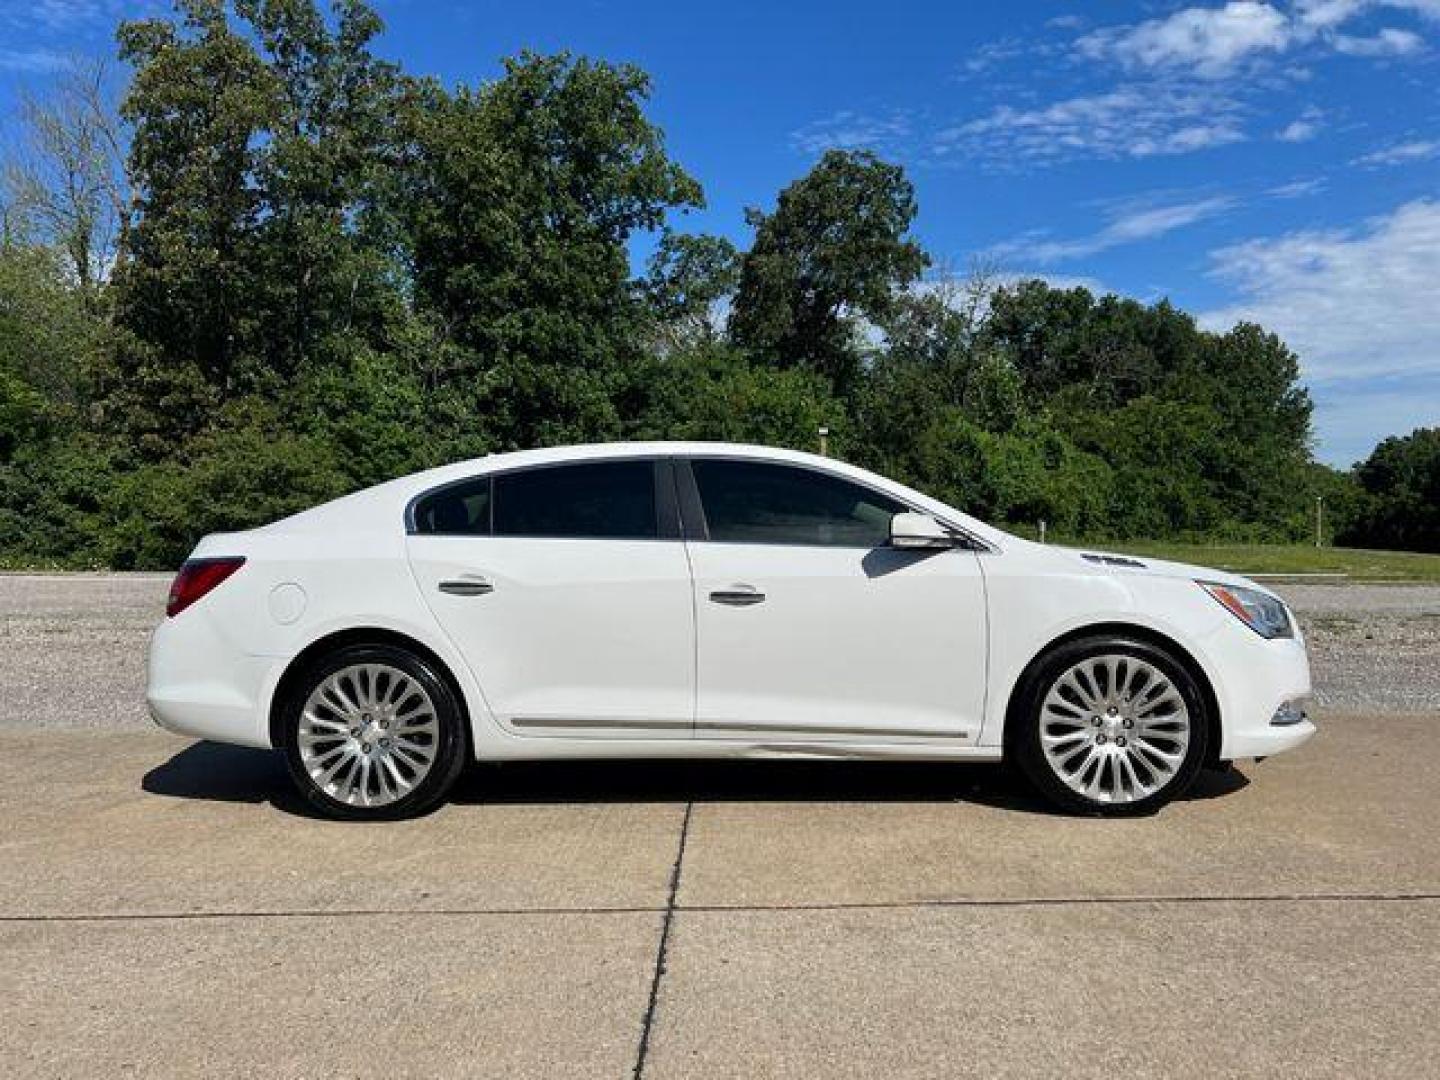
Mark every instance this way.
x=467 y=587
x=739 y=596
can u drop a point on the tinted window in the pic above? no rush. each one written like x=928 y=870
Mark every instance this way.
x=460 y=509
x=747 y=502
x=608 y=499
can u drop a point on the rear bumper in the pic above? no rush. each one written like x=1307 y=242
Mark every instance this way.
x=200 y=685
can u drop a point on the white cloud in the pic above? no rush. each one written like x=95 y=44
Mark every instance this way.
x=1350 y=420
x=1297 y=189
x=1213 y=42
x=1302 y=129
x=1129 y=225
x=847 y=130
x=1358 y=307
x=1130 y=121
x=1429 y=8
x=65 y=14
x=1400 y=153
x=1199 y=76
x=993 y=54
x=30 y=60
x=1207 y=41
x=1354 y=304
x=1327 y=14
x=1388 y=42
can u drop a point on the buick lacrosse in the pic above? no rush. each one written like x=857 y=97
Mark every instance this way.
x=709 y=600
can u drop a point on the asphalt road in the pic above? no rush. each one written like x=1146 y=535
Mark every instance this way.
x=169 y=909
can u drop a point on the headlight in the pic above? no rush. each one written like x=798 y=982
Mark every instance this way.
x=1262 y=613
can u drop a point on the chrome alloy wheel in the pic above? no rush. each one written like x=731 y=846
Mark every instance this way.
x=368 y=735
x=1114 y=728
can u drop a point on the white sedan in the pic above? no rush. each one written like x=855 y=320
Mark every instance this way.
x=708 y=600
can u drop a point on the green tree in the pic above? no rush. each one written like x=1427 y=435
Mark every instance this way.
x=688 y=277
x=1116 y=349
x=200 y=103
x=1205 y=431
x=259 y=155
x=1401 y=479
x=523 y=198
x=50 y=335
x=327 y=280
x=710 y=391
x=835 y=249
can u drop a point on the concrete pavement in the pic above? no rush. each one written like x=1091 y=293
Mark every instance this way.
x=391 y=995
x=1088 y=990
x=170 y=910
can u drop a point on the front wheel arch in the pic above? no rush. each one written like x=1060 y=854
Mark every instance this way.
x=1140 y=633
x=296 y=669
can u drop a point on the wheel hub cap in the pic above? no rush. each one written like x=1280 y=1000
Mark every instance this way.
x=368 y=734
x=1114 y=728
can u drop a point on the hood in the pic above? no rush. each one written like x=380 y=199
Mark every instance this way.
x=1144 y=565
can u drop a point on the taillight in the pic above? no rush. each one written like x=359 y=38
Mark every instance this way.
x=197 y=577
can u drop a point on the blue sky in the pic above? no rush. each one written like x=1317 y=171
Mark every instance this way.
x=1273 y=161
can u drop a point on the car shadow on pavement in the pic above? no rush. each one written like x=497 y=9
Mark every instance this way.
x=218 y=773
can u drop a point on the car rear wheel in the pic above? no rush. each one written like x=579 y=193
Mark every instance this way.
x=1111 y=726
x=372 y=732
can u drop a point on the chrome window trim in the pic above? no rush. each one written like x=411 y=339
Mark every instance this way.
x=974 y=543
x=680 y=462
x=666 y=511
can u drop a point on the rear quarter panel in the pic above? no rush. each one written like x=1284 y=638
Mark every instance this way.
x=357 y=580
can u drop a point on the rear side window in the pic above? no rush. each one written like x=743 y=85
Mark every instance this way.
x=458 y=510
x=612 y=499
x=755 y=503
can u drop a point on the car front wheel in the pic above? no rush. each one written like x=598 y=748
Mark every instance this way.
x=1111 y=726
x=372 y=732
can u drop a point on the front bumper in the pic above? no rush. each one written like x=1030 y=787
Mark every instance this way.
x=1274 y=739
x=1266 y=688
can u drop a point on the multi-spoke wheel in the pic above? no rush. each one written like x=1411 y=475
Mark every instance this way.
x=1110 y=726
x=373 y=732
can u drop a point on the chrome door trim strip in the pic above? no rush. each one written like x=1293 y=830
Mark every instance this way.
x=645 y=723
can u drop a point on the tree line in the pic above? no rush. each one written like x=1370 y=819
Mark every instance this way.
x=283 y=268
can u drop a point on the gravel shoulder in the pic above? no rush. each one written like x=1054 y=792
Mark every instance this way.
x=1374 y=648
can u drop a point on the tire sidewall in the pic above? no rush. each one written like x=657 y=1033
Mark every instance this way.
x=452 y=743
x=1030 y=755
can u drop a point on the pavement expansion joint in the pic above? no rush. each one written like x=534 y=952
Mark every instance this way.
x=660 y=952
x=673 y=908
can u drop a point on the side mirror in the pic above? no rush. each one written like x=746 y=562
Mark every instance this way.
x=919 y=532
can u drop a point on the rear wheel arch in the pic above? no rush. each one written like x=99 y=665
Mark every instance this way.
x=301 y=663
x=1181 y=655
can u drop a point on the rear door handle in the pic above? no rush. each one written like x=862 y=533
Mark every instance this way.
x=739 y=596
x=467 y=587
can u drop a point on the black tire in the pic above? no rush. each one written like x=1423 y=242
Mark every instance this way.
x=1024 y=730
x=450 y=740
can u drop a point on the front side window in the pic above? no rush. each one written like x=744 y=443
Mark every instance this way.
x=756 y=503
x=612 y=499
